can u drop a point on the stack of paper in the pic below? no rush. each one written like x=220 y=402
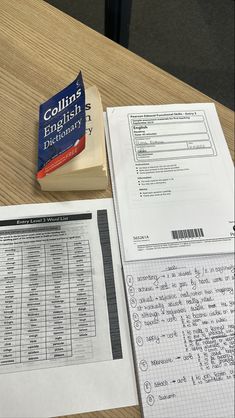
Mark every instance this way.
x=172 y=184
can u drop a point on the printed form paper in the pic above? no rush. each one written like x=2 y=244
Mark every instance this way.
x=173 y=178
x=182 y=315
x=63 y=324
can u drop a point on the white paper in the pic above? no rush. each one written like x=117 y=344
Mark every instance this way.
x=63 y=347
x=182 y=316
x=173 y=176
x=182 y=319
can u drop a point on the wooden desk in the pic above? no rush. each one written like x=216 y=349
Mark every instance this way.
x=41 y=51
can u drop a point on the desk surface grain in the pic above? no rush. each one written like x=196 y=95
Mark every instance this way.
x=41 y=51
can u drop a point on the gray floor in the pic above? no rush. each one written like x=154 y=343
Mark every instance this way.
x=191 y=39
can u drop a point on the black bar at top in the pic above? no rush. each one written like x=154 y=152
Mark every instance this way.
x=46 y=219
x=117 y=20
x=115 y=337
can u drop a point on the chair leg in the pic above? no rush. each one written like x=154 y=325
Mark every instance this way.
x=117 y=20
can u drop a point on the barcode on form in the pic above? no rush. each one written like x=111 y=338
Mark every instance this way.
x=188 y=233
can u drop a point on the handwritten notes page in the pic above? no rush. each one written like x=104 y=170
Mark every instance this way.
x=182 y=315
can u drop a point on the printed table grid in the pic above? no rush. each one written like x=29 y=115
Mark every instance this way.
x=163 y=135
x=47 y=301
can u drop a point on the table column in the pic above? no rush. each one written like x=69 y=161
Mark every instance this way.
x=33 y=333
x=58 y=320
x=82 y=296
x=10 y=305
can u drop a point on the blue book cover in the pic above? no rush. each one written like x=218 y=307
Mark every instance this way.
x=61 y=127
